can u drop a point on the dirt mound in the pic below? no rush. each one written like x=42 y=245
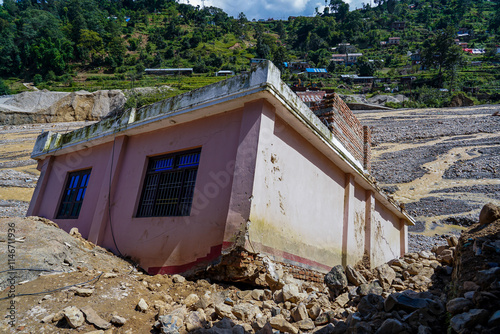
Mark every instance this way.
x=46 y=107
x=41 y=245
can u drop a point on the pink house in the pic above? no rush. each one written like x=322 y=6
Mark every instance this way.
x=242 y=164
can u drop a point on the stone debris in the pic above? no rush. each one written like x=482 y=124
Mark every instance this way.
x=142 y=305
x=423 y=292
x=93 y=318
x=73 y=316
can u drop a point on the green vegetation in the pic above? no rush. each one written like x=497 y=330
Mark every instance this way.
x=92 y=44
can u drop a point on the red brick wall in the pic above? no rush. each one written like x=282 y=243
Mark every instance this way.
x=345 y=127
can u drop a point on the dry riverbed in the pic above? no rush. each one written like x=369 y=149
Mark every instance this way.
x=444 y=164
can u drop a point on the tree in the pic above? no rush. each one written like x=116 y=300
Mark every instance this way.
x=90 y=45
x=366 y=68
x=4 y=89
x=441 y=52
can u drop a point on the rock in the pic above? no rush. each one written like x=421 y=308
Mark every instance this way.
x=142 y=305
x=178 y=279
x=94 y=319
x=170 y=324
x=328 y=329
x=464 y=321
x=424 y=330
x=118 y=321
x=447 y=256
x=370 y=304
x=73 y=316
x=342 y=299
x=109 y=275
x=489 y=213
x=458 y=305
x=260 y=321
x=258 y=294
x=452 y=241
x=370 y=288
x=245 y=311
x=84 y=292
x=195 y=320
x=414 y=268
x=191 y=300
x=95 y=332
x=398 y=263
x=385 y=275
x=336 y=279
x=299 y=313
x=48 y=319
x=401 y=301
x=267 y=329
x=391 y=326
x=291 y=293
x=224 y=311
x=279 y=323
x=495 y=319
x=486 y=277
x=353 y=276
x=324 y=318
x=305 y=325
x=314 y=311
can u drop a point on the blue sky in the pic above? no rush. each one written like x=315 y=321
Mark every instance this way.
x=277 y=9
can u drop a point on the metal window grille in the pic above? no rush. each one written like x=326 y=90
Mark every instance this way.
x=169 y=185
x=74 y=193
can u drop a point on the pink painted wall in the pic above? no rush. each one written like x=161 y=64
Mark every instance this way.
x=173 y=242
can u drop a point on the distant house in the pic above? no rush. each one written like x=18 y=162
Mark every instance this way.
x=416 y=58
x=346 y=47
x=355 y=79
x=394 y=40
x=383 y=43
x=347 y=59
x=398 y=25
x=215 y=177
x=169 y=71
x=317 y=72
x=498 y=49
x=224 y=73
x=298 y=66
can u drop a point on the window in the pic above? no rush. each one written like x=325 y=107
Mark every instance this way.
x=73 y=195
x=169 y=185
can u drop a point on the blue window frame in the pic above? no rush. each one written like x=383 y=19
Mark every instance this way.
x=74 y=193
x=169 y=185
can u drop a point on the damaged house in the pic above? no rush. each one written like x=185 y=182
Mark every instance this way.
x=237 y=171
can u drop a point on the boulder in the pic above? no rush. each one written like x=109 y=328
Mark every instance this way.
x=94 y=319
x=336 y=279
x=245 y=311
x=73 y=316
x=305 y=325
x=353 y=276
x=170 y=324
x=392 y=326
x=461 y=322
x=458 y=305
x=142 y=305
x=370 y=288
x=118 y=321
x=489 y=213
x=370 y=304
x=385 y=275
x=291 y=293
x=195 y=320
x=278 y=322
x=299 y=313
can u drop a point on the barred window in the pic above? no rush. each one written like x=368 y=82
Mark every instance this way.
x=74 y=193
x=169 y=185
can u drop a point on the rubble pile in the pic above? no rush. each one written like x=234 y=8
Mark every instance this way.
x=451 y=288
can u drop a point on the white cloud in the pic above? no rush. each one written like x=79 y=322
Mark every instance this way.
x=263 y=9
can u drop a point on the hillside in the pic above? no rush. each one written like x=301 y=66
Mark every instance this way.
x=71 y=45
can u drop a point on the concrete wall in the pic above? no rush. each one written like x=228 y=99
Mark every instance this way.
x=385 y=235
x=160 y=244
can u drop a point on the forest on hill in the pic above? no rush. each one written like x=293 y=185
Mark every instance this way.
x=75 y=44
